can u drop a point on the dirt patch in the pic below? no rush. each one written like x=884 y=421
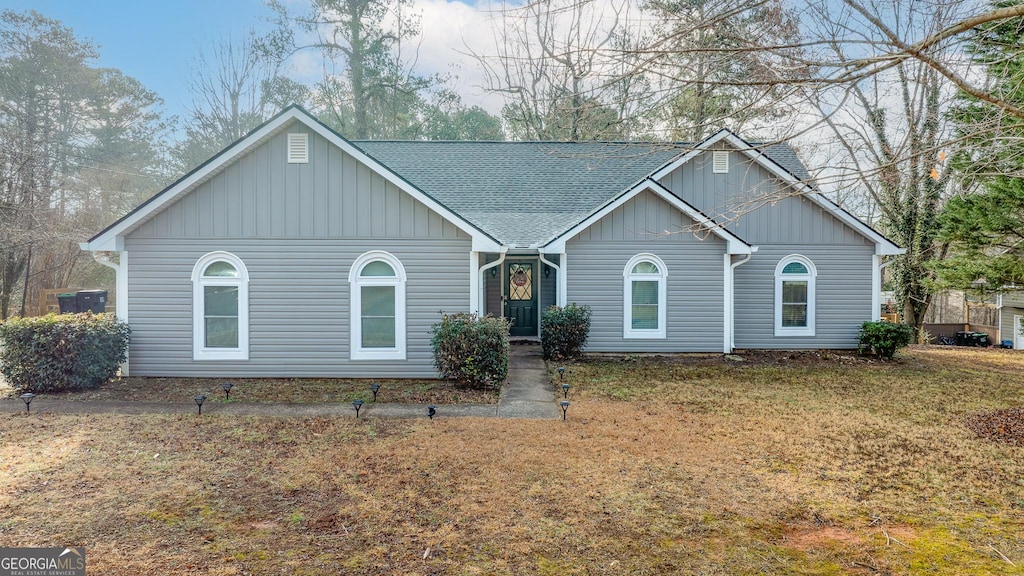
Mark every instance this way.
x=823 y=537
x=1005 y=425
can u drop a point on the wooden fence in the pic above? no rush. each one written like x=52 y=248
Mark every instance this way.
x=937 y=331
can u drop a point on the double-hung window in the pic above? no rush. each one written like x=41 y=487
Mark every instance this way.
x=377 y=284
x=794 y=296
x=644 y=314
x=220 y=308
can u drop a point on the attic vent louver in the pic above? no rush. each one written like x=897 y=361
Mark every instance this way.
x=298 y=148
x=720 y=162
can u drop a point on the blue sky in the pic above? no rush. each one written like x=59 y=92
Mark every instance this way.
x=152 y=41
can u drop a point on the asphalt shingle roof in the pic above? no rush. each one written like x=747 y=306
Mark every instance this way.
x=525 y=193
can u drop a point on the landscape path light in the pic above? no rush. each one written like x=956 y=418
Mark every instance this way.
x=227 y=386
x=27 y=399
x=357 y=404
x=561 y=372
x=200 y=398
x=375 y=388
x=565 y=390
x=565 y=406
x=431 y=411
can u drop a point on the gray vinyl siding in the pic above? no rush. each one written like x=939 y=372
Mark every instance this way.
x=695 y=285
x=298 y=305
x=755 y=205
x=297 y=228
x=492 y=287
x=842 y=296
x=262 y=196
x=1014 y=299
x=548 y=287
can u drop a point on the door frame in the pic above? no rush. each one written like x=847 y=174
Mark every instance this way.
x=535 y=281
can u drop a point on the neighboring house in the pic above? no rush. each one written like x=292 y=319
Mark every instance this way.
x=295 y=252
x=1010 y=310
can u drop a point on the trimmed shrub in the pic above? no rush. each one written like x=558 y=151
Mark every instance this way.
x=471 y=350
x=564 y=331
x=59 y=352
x=883 y=338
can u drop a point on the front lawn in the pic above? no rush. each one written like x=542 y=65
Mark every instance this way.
x=281 y=390
x=775 y=465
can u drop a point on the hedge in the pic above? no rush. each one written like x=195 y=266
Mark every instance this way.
x=883 y=338
x=471 y=350
x=60 y=352
x=564 y=331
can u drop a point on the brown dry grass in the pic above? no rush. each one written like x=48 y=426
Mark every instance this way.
x=839 y=467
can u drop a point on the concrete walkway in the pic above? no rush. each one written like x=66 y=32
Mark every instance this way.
x=527 y=393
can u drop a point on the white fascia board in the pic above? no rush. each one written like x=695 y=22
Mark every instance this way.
x=735 y=245
x=111 y=239
x=883 y=246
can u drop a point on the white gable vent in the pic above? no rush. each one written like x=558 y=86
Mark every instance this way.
x=298 y=148
x=720 y=161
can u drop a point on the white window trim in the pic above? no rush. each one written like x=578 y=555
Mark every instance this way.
x=627 y=302
x=355 y=282
x=199 y=282
x=812 y=274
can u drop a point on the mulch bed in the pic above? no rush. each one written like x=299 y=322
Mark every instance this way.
x=1005 y=425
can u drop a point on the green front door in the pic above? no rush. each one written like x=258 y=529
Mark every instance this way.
x=520 y=294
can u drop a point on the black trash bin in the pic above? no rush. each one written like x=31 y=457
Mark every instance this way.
x=980 y=339
x=68 y=303
x=94 y=301
x=965 y=339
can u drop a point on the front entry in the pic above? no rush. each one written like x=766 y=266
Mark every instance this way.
x=520 y=296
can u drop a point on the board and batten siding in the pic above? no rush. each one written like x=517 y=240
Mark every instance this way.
x=755 y=205
x=695 y=285
x=333 y=196
x=298 y=228
x=842 y=296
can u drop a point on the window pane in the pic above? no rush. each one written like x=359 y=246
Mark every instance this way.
x=645 y=305
x=377 y=268
x=645 y=317
x=377 y=305
x=222 y=332
x=794 y=292
x=220 y=300
x=520 y=282
x=645 y=292
x=794 y=268
x=378 y=301
x=645 y=268
x=221 y=269
x=794 y=315
x=378 y=332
